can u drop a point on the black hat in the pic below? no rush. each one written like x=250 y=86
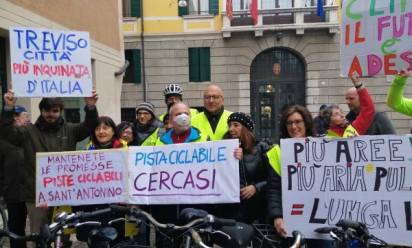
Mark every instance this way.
x=243 y=119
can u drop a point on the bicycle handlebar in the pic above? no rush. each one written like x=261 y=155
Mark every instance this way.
x=298 y=239
x=325 y=230
x=191 y=213
x=209 y=219
x=48 y=231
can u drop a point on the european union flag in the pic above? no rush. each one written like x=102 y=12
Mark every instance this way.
x=320 y=11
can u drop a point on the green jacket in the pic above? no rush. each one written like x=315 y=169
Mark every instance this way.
x=395 y=99
x=38 y=138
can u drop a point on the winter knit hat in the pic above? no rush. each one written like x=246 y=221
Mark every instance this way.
x=146 y=106
x=243 y=119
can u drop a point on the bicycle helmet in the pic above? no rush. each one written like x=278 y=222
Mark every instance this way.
x=173 y=89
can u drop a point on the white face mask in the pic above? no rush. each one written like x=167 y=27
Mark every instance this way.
x=182 y=120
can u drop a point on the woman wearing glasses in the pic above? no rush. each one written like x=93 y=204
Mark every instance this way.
x=295 y=122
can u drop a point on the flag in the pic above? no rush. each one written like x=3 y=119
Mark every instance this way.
x=254 y=12
x=320 y=11
x=229 y=9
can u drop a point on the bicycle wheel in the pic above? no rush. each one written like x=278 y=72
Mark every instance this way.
x=3 y=224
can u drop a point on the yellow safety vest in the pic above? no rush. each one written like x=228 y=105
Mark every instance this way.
x=193 y=112
x=274 y=159
x=151 y=140
x=350 y=131
x=202 y=123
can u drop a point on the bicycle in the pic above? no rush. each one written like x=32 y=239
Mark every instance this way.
x=185 y=232
x=235 y=234
x=351 y=234
x=52 y=234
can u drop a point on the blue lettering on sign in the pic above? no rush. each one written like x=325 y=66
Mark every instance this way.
x=48 y=45
x=182 y=156
x=221 y=153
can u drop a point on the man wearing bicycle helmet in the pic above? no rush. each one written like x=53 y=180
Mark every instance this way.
x=173 y=94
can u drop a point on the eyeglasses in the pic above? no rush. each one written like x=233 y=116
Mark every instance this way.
x=212 y=97
x=296 y=122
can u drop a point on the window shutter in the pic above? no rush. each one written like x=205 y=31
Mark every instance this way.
x=194 y=65
x=214 y=7
x=204 y=64
x=183 y=10
x=137 y=76
x=135 y=8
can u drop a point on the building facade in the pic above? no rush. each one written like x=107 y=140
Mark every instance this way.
x=291 y=55
x=102 y=19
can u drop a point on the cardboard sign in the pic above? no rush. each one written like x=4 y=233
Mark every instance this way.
x=184 y=173
x=81 y=177
x=50 y=63
x=376 y=37
x=366 y=179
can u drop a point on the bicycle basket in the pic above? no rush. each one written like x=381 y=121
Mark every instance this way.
x=265 y=236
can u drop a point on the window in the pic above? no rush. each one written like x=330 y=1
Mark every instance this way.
x=133 y=71
x=241 y=4
x=128 y=114
x=131 y=8
x=199 y=64
x=72 y=115
x=200 y=7
x=313 y=3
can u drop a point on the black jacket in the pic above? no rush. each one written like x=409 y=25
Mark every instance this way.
x=379 y=126
x=11 y=171
x=144 y=131
x=274 y=195
x=252 y=171
x=39 y=137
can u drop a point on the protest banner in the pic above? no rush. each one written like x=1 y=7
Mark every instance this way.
x=366 y=179
x=81 y=177
x=376 y=37
x=50 y=63
x=184 y=173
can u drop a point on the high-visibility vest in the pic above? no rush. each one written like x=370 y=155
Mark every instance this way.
x=193 y=112
x=151 y=140
x=350 y=131
x=274 y=159
x=202 y=123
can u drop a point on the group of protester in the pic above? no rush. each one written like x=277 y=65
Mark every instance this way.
x=259 y=163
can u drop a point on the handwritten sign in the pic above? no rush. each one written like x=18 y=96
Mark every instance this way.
x=376 y=37
x=50 y=63
x=81 y=177
x=366 y=179
x=184 y=173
